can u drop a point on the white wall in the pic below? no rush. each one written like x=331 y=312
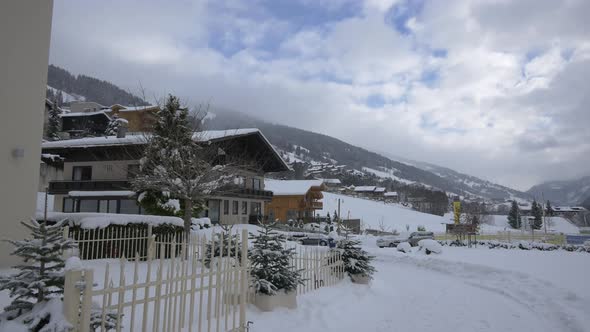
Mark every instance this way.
x=25 y=29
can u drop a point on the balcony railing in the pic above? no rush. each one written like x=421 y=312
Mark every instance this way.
x=316 y=205
x=238 y=191
x=63 y=187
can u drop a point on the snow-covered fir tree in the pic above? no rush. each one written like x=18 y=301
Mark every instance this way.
x=174 y=163
x=514 y=217
x=356 y=260
x=53 y=121
x=114 y=124
x=549 y=209
x=537 y=212
x=231 y=246
x=271 y=262
x=41 y=278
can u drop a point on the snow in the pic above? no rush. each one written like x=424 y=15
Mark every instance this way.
x=75 y=114
x=387 y=174
x=390 y=194
x=428 y=245
x=67 y=98
x=73 y=264
x=404 y=247
x=102 y=220
x=372 y=213
x=122 y=193
x=331 y=181
x=462 y=289
x=137 y=108
x=290 y=187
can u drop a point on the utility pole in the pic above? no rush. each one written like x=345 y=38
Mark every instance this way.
x=544 y=207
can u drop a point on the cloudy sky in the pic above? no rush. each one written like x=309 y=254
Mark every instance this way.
x=498 y=89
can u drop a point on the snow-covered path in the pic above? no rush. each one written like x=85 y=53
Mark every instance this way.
x=419 y=293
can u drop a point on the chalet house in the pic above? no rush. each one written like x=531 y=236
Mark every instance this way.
x=568 y=211
x=332 y=184
x=80 y=124
x=294 y=199
x=140 y=118
x=391 y=197
x=97 y=173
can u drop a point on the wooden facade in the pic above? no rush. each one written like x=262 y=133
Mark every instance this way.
x=285 y=207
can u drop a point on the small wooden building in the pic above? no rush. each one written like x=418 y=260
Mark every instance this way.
x=294 y=199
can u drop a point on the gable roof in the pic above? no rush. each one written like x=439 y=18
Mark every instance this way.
x=291 y=187
x=254 y=138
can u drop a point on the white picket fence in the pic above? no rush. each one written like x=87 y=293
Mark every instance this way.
x=171 y=289
x=174 y=292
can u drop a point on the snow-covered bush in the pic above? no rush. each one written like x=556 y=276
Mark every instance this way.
x=271 y=262
x=38 y=284
x=430 y=246
x=356 y=260
x=404 y=247
x=493 y=244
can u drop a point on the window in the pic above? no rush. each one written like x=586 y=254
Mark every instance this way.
x=256 y=184
x=235 y=207
x=292 y=215
x=128 y=206
x=108 y=168
x=132 y=171
x=107 y=206
x=244 y=207
x=239 y=181
x=225 y=207
x=82 y=173
x=68 y=205
x=88 y=205
x=255 y=208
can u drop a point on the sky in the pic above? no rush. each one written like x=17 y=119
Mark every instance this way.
x=493 y=88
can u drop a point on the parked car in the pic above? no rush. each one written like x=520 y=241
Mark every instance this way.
x=296 y=236
x=317 y=240
x=412 y=238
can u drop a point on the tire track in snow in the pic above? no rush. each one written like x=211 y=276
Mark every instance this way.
x=541 y=297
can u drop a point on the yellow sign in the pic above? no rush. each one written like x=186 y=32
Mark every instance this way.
x=457 y=210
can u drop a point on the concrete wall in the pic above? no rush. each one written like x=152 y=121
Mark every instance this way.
x=25 y=30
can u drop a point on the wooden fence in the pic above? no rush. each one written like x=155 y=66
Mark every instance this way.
x=172 y=289
x=166 y=294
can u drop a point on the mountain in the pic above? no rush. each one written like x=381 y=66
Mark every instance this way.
x=84 y=87
x=299 y=145
x=572 y=192
x=311 y=154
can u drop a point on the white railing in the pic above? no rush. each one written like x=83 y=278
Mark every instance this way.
x=167 y=294
x=319 y=268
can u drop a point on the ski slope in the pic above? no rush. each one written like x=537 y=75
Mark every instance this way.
x=555 y=224
x=373 y=213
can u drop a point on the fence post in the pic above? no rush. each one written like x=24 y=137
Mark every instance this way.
x=150 y=243
x=244 y=279
x=86 y=311
x=71 y=304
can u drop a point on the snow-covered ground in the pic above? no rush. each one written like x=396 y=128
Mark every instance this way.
x=462 y=289
x=372 y=213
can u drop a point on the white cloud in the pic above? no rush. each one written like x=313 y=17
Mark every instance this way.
x=506 y=100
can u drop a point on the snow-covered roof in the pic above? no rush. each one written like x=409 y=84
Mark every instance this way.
x=380 y=190
x=76 y=114
x=364 y=188
x=141 y=139
x=569 y=208
x=390 y=193
x=290 y=187
x=331 y=181
x=135 y=108
x=120 y=193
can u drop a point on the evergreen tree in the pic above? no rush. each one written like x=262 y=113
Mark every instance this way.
x=537 y=212
x=53 y=122
x=549 y=209
x=271 y=263
x=42 y=277
x=113 y=126
x=229 y=241
x=174 y=163
x=356 y=260
x=514 y=218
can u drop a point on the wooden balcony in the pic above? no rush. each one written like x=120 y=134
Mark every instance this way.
x=239 y=191
x=315 y=205
x=64 y=187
